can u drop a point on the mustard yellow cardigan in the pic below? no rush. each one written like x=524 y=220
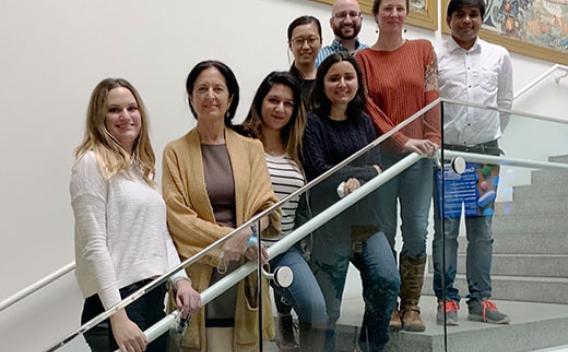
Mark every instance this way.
x=191 y=223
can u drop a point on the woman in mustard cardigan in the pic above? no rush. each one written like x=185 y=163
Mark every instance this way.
x=214 y=180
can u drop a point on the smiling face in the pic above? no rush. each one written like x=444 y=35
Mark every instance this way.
x=346 y=19
x=340 y=83
x=277 y=107
x=391 y=15
x=305 y=43
x=210 y=96
x=122 y=118
x=465 y=24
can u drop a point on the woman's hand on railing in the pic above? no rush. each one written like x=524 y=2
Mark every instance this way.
x=188 y=301
x=351 y=185
x=235 y=247
x=252 y=254
x=127 y=334
x=423 y=147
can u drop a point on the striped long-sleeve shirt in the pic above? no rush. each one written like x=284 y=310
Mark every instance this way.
x=286 y=177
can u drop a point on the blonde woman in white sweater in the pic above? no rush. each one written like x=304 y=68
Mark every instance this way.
x=121 y=238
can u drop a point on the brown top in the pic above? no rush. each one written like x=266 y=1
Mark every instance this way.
x=220 y=183
x=400 y=83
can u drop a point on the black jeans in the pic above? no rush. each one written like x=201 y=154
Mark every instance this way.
x=144 y=312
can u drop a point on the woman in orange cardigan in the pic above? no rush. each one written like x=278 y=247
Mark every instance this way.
x=214 y=180
x=401 y=79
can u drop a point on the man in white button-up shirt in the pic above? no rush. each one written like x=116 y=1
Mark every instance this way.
x=473 y=71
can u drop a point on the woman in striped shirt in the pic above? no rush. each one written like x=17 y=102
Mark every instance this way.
x=277 y=117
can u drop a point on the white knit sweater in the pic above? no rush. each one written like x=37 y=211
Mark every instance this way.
x=121 y=235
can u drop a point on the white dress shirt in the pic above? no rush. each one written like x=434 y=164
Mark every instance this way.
x=481 y=75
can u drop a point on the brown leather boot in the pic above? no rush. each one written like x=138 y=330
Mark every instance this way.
x=395 y=323
x=412 y=276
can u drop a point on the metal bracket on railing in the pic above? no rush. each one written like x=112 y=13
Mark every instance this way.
x=558 y=77
x=282 y=276
x=458 y=165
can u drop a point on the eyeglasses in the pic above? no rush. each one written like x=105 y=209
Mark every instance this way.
x=299 y=41
x=343 y=14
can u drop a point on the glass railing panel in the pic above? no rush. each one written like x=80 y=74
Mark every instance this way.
x=502 y=232
x=341 y=258
x=354 y=255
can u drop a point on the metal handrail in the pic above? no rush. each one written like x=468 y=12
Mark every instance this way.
x=45 y=281
x=484 y=158
x=27 y=291
x=310 y=185
x=542 y=77
x=290 y=240
x=153 y=284
x=314 y=223
x=18 y=296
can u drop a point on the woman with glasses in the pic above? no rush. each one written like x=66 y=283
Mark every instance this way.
x=304 y=40
x=121 y=238
x=337 y=128
x=401 y=78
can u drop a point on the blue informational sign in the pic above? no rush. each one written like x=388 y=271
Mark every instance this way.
x=475 y=189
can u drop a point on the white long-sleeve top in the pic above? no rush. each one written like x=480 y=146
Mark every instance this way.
x=121 y=235
x=481 y=75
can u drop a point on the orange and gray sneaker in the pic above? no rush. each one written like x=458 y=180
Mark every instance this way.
x=450 y=308
x=486 y=311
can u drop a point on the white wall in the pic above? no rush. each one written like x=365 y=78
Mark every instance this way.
x=55 y=52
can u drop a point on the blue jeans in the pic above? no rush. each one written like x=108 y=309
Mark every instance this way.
x=304 y=295
x=413 y=187
x=332 y=251
x=479 y=236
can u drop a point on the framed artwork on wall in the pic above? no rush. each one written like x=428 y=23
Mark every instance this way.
x=423 y=13
x=536 y=28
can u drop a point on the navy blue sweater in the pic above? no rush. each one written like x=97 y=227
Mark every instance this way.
x=326 y=143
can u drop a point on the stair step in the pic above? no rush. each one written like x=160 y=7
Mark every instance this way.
x=534 y=326
x=522 y=224
x=531 y=192
x=549 y=177
x=517 y=288
x=534 y=208
x=519 y=243
x=540 y=265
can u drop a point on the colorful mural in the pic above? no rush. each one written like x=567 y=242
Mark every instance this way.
x=540 y=22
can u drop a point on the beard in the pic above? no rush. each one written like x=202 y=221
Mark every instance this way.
x=339 y=33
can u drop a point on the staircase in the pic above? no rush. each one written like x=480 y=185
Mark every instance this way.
x=530 y=252
x=529 y=272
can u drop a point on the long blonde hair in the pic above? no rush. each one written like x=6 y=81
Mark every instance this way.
x=292 y=134
x=112 y=158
